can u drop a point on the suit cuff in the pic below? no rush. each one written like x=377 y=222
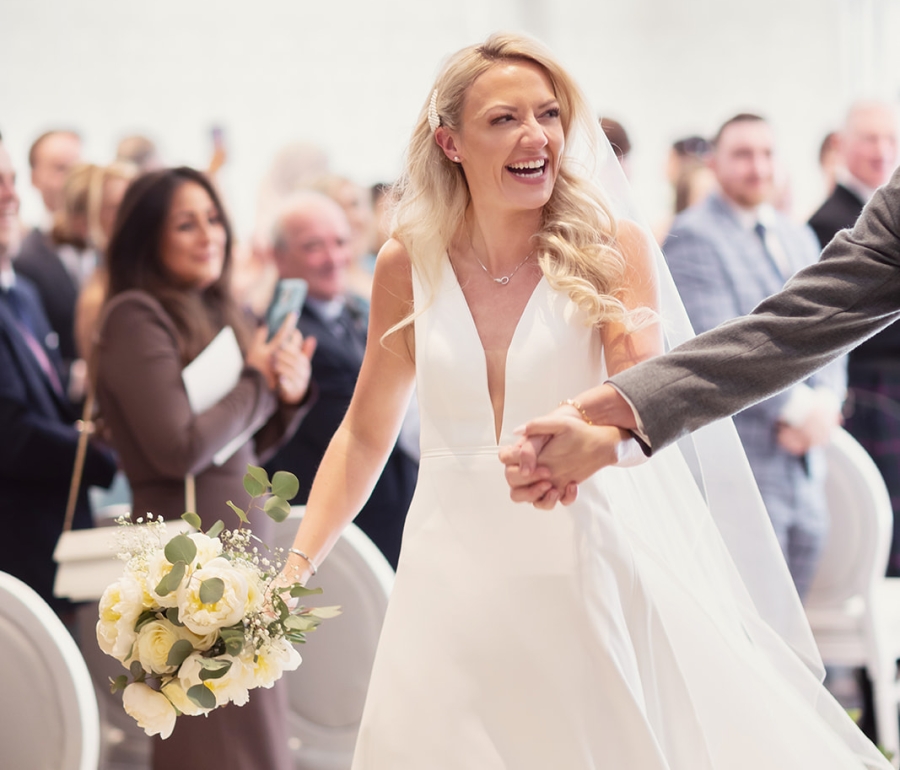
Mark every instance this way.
x=640 y=435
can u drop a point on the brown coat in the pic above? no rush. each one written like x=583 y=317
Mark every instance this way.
x=159 y=441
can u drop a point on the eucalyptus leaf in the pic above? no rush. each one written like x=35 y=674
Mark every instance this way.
x=239 y=511
x=137 y=671
x=298 y=590
x=211 y=590
x=281 y=609
x=233 y=639
x=301 y=623
x=181 y=548
x=193 y=519
x=119 y=683
x=277 y=508
x=253 y=486
x=145 y=617
x=172 y=617
x=324 y=613
x=202 y=696
x=259 y=474
x=216 y=671
x=179 y=652
x=172 y=580
x=285 y=484
x=216 y=529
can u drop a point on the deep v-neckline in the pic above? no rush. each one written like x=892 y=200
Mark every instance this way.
x=496 y=430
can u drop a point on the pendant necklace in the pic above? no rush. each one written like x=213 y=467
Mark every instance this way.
x=503 y=279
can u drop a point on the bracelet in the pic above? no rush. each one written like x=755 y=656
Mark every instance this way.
x=575 y=405
x=312 y=565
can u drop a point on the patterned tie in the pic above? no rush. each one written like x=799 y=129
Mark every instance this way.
x=25 y=323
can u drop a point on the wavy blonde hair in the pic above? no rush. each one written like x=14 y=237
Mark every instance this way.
x=576 y=244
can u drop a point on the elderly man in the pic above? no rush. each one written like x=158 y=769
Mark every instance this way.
x=726 y=255
x=37 y=453
x=868 y=154
x=312 y=241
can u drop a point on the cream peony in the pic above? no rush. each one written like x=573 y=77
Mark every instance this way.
x=208 y=548
x=174 y=691
x=158 y=566
x=271 y=661
x=150 y=709
x=120 y=606
x=156 y=638
x=230 y=609
x=233 y=686
x=256 y=590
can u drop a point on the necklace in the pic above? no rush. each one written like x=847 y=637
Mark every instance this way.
x=503 y=279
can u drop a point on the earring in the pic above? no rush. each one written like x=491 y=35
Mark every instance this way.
x=456 y=158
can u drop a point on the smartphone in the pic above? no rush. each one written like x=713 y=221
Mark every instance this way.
x=289 y=296
x=217 y=134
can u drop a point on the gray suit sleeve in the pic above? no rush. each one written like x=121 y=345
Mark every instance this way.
x=824 y=311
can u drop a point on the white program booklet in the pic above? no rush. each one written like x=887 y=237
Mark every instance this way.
x=211 y=376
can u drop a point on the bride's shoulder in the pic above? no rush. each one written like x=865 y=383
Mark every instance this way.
x=393 y=270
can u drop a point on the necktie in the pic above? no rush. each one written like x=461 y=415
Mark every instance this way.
x=25 y=323
x=774 y=251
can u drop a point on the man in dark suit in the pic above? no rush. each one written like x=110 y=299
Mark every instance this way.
x=726 y=254
x=868 y=153
x=37 y=453
x=312 y=242
x=57 y=277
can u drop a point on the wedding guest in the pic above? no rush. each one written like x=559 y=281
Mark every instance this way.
x=61 y=263
x=106 y=188
x=139 y=151
x=868 y=155
x=169 y=263
x=37 y=454
x=726 y=255
x=829 y=160
x=618 y=139
x=312 y=241
x=51 y=157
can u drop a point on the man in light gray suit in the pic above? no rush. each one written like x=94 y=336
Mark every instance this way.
x=824 y=311
x=726 y=255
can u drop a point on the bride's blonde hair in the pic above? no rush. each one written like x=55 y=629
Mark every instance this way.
x=576 y=244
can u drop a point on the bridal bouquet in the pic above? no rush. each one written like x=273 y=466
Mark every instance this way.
x=193 y=619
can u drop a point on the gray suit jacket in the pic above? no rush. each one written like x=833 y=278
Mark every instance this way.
x=722 y=271
x=851 y=293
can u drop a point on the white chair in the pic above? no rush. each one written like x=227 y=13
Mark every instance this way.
x=327 y=692
x=854 y=611
x=49 y=714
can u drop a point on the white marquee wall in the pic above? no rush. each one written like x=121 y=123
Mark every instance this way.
x=352 y=74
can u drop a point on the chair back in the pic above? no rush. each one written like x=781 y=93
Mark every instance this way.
x=860 y=526
x=48 y=717
x=328 y=691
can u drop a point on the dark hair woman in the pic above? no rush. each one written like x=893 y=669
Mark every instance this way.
x=169 y=263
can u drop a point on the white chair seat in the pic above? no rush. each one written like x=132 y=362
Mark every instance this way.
x=49 y=714
x=328 y=691
x=854 y=611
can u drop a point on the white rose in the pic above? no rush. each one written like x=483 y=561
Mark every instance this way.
x=120 y=606
x=179 y=699
x=256 y=589
x=150 y=709
x=227 y=611
x=155 y=640
x=271 y=661
x=232 y=686
x=208 y=548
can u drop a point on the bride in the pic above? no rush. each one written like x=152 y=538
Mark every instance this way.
x=615 y=632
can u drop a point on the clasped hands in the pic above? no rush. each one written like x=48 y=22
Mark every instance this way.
x=557 y=452
x=284 y=360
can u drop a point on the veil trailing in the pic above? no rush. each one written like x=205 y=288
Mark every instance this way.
x=695 y=509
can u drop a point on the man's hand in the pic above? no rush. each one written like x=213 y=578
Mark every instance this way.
x=558 y=452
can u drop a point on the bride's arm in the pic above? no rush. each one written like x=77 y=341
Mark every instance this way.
x=570 y=448
x=360 y=447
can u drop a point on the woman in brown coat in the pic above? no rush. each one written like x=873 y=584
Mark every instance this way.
x=169 y=266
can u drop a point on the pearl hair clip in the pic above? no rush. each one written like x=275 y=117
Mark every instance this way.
x=434 y=120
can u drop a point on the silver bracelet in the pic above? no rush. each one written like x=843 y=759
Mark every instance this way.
x=312 y=565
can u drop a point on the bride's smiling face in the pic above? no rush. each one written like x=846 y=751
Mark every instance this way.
x=510 y=140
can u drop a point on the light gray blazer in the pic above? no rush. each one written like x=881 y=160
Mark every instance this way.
x=722 y=271
x=851 y=293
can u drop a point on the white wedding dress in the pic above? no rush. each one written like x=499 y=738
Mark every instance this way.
x=599 y=635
